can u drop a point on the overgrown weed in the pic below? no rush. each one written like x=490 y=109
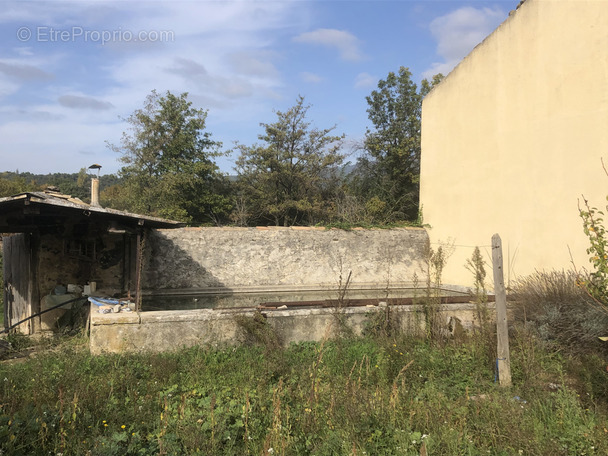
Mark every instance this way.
x=435 y=259
x=386 y=393
x=561 y=312
x=341 y=302
x=486 y=330
x=342 y=396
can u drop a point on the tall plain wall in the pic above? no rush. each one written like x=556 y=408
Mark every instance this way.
x=240 y=259
x=514 y=136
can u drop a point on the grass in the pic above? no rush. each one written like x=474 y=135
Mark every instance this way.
x=347 y=226
x=366 y=396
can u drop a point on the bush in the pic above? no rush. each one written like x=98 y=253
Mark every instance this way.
x=596 y=281
x=561 y=311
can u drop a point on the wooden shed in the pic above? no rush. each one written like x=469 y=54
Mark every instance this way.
x=54 y=240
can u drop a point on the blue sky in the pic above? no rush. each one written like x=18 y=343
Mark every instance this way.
x=70 y=71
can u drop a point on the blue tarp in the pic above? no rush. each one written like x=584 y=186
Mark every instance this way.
x=103 y=301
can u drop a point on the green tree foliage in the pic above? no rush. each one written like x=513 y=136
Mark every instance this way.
x=595 y=283
x=12 y=184
x=74 y=184
x=388 y=174
x=115 y=196
x=169 y=169
x=291 y=178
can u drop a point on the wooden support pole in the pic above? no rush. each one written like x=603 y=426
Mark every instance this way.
x=138 y=265
x=503 y=360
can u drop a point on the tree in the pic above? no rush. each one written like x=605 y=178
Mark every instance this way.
x=12 y=184
x=388 y=174
x=289 y=180
x=169 y=169
x=115 y=196
x=76 y=185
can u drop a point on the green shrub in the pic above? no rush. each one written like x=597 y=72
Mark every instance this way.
x=256 y=330
x=595 y=282
x=561 y=311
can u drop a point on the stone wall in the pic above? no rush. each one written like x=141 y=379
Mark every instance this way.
x=249 y=261
x=267 y=257
x=58 y=264
x=172 y=330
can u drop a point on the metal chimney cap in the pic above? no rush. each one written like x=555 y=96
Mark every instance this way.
x=95 y=166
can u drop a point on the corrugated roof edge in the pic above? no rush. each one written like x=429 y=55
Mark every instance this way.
x=61 y=200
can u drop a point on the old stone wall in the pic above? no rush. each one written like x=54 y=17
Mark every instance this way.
x=245 y=258
x=172 y=330
x=67 y=261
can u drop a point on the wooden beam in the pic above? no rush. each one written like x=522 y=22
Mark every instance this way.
x=138 y=256
x=503 y=360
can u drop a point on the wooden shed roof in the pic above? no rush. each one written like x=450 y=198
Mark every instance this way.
x=31 y=211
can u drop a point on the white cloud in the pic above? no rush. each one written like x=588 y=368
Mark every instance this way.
x=253 y=63
x=207 y=57
x=24 y=51
x=56 y=145
x=345 y=42
x=222 y=53
x=13 y=114
x=458 y=32
x=7 y=87
x=23 y=72
x=310 y=77
x=15 y=74
x=21 y=12
x=365 y=81
x=188 y=68
x=195 y=73
x=83 y=102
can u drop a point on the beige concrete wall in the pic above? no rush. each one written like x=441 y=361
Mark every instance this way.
x=513 y=137
x=172 y=330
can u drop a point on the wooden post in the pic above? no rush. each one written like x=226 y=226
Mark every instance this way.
x=503 y=360
x=139 y=257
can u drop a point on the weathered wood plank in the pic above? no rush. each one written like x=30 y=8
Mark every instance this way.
x=503 y=360
x=17 y=280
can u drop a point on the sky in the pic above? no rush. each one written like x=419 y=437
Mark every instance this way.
x=72 y=72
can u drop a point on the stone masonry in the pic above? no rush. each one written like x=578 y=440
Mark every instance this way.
x=245 y=258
